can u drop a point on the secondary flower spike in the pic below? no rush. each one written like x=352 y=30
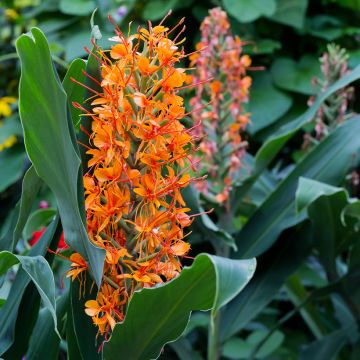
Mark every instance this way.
x=140 y=161
x=222 y=117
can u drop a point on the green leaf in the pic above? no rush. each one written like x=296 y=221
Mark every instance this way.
x=30 y=188
x=9 y=127
x=272 y=270
x=9 y=312
x=267 y=104
x=310 y=190
x=236 y=348
x=40 y=273
x=290 y=12
x=203 y=226
x=44 y=342
x=247 y=11
x=159 y=315
x=157 y=9
x=81 y=327
x=264 y=46
x=77 y=7
x=328 y=347
x=297 y=77
x=325 y=206
x=37 y=220
x=328 y=162
x=271 y=147
x=298 y=294
x=75 y=92
x=50 y=141
x=11 y=165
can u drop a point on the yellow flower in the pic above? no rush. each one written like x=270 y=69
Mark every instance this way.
x=5 y=109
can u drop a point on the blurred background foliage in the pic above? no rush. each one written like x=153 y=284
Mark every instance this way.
x=304 y=301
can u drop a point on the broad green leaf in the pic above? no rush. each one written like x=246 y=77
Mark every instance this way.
x=9 y=312
x=272 y=146
x=77 y=7
x=246 y=11
x=39 y=271
x=159 y=315
x=328 y=347
x=157 y=9
x=292 y=76
x=11 y=165
x=267 y=104
x=30 y=188
x=50 y=142
x=290 y=12
x=272 y=270
x=44 y=342
x=328 y=162
x=75 y=92
x=309 y=190
x=325 y=205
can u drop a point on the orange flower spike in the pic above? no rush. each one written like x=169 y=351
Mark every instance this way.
x=139 y=161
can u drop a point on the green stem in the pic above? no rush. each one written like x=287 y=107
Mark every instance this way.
x=214 y=345
x=213 y=337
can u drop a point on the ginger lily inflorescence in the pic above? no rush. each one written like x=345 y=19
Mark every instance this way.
x=221 y=72
x=139 y=163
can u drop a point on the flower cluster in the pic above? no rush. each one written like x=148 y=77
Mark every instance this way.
x=139 y=163
x=222 y=89
x=334 y=65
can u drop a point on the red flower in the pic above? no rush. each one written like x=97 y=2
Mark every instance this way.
x=37 y=235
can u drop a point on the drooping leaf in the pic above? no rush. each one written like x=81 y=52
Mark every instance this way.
x=39 y=271
x=246 y=11
x=159 y=315
x=272 y=146
x=50 y=142
x=9 y=312
x=328 y=162
x=309 y=190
